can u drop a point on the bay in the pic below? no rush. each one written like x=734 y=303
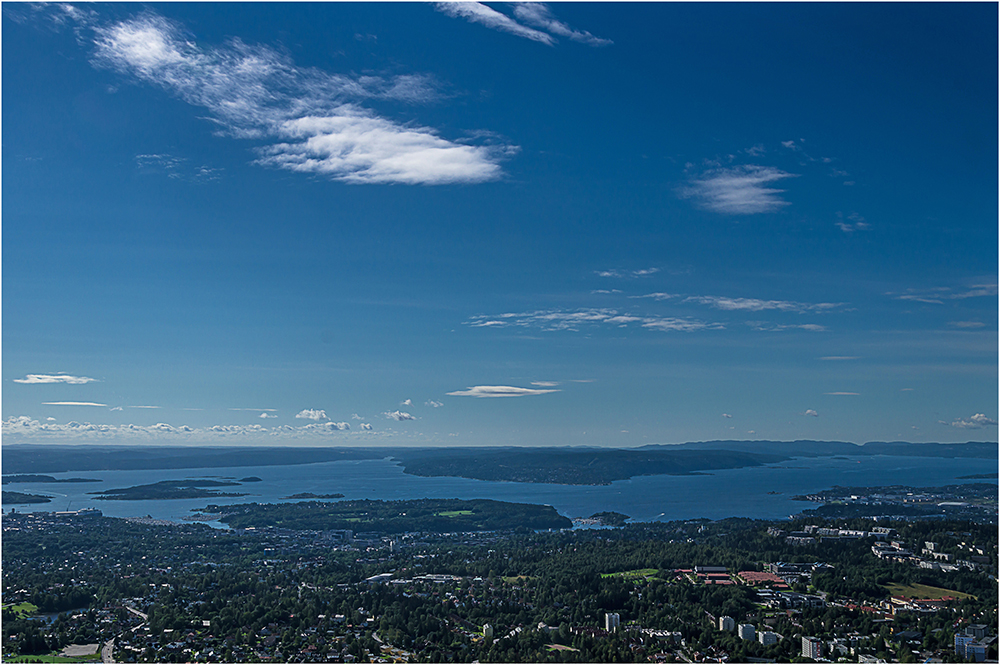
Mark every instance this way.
x=762 y=492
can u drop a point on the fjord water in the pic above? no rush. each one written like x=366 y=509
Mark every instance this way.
x=760 y=492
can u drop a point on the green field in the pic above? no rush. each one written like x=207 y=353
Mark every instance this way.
x=924 y=591
x=454 y=513
x=22 y=609
x=633 y=574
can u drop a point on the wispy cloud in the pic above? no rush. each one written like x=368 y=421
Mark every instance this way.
x=657 y=296
x=968 y=325
x=840 y=357
x=726 y=415
x=551 y=320
x=365 y=427
x=534 y=14
x=312 y=414
x=938 y=295
x=811 y=412
x=477 y=12
x=398 y=415
x=766 y=326
x=500 y=391
x=267 y=415
x=738 y=190
x=434 y=404
x=311 y=118
x=545 y=384
x=757 y=305
x=176 y=167
x=854 y=222
x=73 y=404
x=841 y=393
x=406 y=402
x=978 y=421
x=54 y=378
x=645 y=272
x=539 y=15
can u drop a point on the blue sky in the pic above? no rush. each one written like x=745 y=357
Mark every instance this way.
x=567 y=224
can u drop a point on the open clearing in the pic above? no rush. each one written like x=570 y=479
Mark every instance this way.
x=924 y=591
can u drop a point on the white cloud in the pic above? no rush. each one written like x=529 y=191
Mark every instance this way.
x=365 y=427
x=267 y=415
x=476 y=12
x=144 y=407
x=939 y=294
x=764 y=326
x=326 y=427
x=499 y=391
x=855 y=222
x=310 y=117
x=312 y=414
x=739 y=190
x=54 y=378
x=539 y=15
x=726 y=415
x=967 y=324
x=842 y=393
x=545 y=384
x=811 y=412
x=978 y=421
x=398 y=415
x=840 y=358
x=26 y=428
x=757 y=305
x=644 y=272
x=658 y=296
x=73 y=404
x=434 y=404
x=552 y=320
x=406 y=402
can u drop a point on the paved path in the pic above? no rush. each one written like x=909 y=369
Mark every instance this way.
x=108 y=651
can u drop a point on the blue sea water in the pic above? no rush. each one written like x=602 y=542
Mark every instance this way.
x=725 y=493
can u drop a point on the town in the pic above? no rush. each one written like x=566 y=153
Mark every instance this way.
x=116 y=590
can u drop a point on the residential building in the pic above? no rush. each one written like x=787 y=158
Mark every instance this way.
x=767 y=637
x=727 y=623
x=747 y=631
x=611 y=622
x=812 y=647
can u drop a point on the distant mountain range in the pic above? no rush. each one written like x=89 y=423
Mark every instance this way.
x=576 y=465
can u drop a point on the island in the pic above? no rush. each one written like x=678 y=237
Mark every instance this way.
x=610 y=518
x=251 y=479
x=310 y=495
x=391 y=517
x=20 y=497
x=168 y=489
x=35 y=478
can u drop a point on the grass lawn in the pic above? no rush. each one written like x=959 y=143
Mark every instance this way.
x=454 y=513
x=924 y=591
x=22 y=609
x=642 y=572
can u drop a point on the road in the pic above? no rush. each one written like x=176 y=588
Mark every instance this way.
x=108 y=651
